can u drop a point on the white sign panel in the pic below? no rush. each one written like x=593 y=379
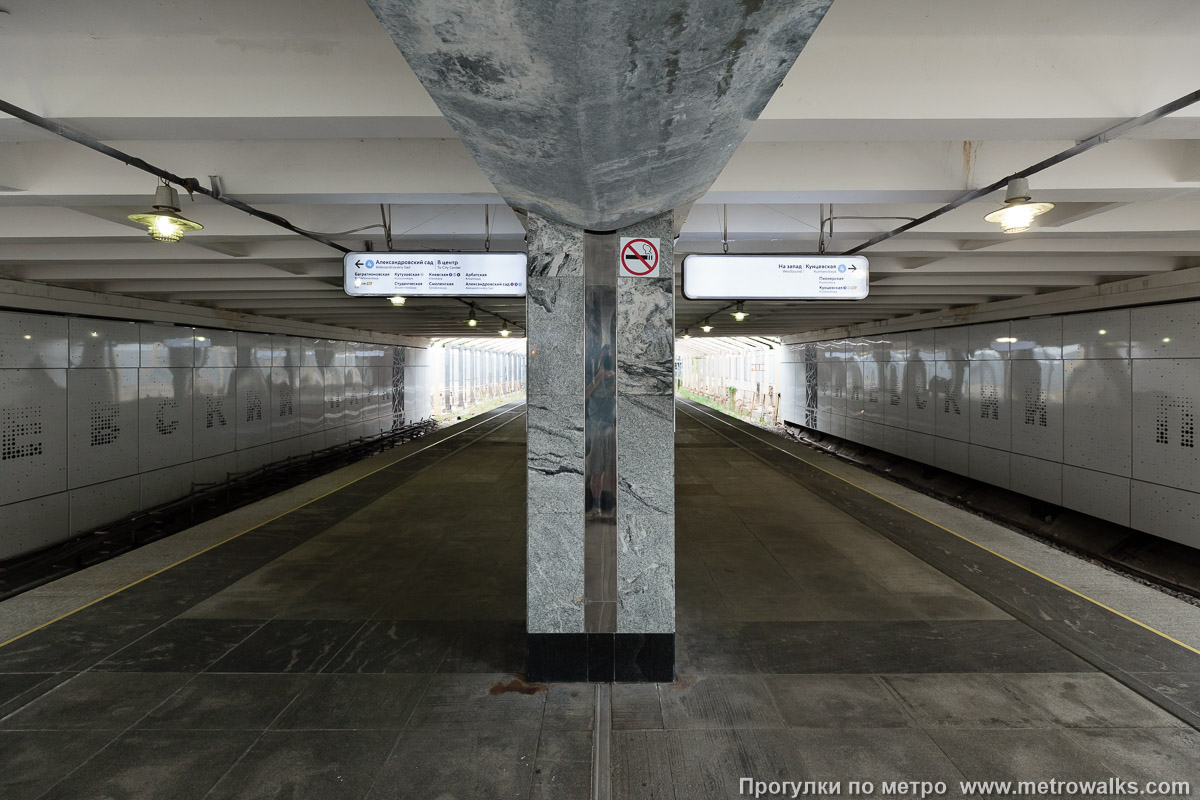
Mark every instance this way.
x=434 y=274
x=776 y=277
x=639 y=258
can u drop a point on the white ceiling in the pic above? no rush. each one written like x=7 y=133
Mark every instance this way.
x=305 y=108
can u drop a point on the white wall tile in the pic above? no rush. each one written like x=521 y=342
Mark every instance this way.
x=1036 y=478
x=895 y=404
x=990 y=414
x=164 y=416
x=950 y=344
x=167 y=346
x=895 y=441
x=921 y=346
x=1098 y=414
x=1098 y=334
x=988 y=341
x=214 y=411
x=952 y=401
x=215 y=348
x=164 y=485
x=1036 y=406
x=1167 y=512
x=1170 y=331
x=921 y=392
x=33 y=524
x=253 y=386
x=951 y=455
x=33 y=432
x=1036 y=338
x=1096 y=493
x=104 y=343
x=285 y=403
x=102 y=424
x=1166 y=401
x=255 y=349
x=101 y=503
x=988 y=465
x=216 y=469
x=33 y=341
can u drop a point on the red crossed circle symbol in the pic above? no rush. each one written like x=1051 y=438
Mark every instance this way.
x=633 y=269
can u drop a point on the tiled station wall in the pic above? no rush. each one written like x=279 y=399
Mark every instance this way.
x=1095 y=411
x=100 y=418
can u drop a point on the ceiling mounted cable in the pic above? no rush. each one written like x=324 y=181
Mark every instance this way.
x=1082 y=146
x=190 y=185
x=725 y=227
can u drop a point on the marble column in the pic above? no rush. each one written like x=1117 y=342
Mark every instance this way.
x=601 y=556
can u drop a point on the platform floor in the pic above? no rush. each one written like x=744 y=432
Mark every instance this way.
x=365 y=646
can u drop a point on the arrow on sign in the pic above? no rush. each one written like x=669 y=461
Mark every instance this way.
x=358 y=263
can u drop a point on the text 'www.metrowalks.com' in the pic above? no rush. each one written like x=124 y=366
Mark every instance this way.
x=1109 y=787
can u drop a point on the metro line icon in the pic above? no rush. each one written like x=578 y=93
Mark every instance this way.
x=639 y=257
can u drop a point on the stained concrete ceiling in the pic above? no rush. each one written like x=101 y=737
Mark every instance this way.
x=602 y=114
x=307 y=108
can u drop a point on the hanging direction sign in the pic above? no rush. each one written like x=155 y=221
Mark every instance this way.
x=775 y=277
x=434 y=274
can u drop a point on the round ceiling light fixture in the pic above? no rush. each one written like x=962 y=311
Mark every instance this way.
x=1018 y=213
x=165 y=222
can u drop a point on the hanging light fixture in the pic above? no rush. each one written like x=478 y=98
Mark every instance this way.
x=686 y=335
x=504 y=331
x=707 y=326
x=396 y=300
x=1018 y=213
x=471 y=321
x=740 y=314
x=165 y=222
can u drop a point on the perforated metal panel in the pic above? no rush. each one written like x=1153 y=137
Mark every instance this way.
x=285 y=402
x=164 y=416
x=251 y=458
x=215 y=348
x=1167 y=512
x=951 y=455
x=1097 y=414
x=286 y=448
x=163 y=485
x=102 y=423
x=101 y=503
x=852 y=429
x=892 y=393
x=312 y=400
x=841 y=400
x=950 y=344
x=895 y=441
x=335 y=399
x=1096 y=493
x=1101 y=334
x=255 y=350
x=167 y=346
x=253 y=386
x=33 y=524
x=988 y=465
x=286 y=351
x=1037 y=339
x=33 y=341
x=951 y=401
x=874 y=397
x=921 y=448
x=1036 y=478
x=104 y=343
x=33 y=432
x=989 y=341
x=1166 y=399
x=214 y=411
x=856 y=390
x=991 y=420
x=1171 y=331
x=872 y=434
x=217 y=468
x=922 y=389
x=1037 y=408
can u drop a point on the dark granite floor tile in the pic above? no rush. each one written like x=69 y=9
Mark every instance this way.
x=15 y=684
x=329 y=765
x=289 y=646
x=1001 y=646
x=711 y=648
x=841 y=647
x=33 y=761
x=1182 y=687
x=487 y=647
x=723 y=702
x=97 y=701
x=1087 y=700
x=636 y=706
x=466 y=701
x=487 y=762
x=354 y=702
x=875 y=756
x=963 y=701
x=569 y=707
x=71 y=644
x=836 y=701
x=395 y=646
x=150 y=765
x=214 y=701
x=181 y=645
x=1143 y=754
x=1019 y=755
x=699 y=765
x=563 y=768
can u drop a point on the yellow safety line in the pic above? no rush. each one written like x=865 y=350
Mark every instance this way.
x=1030 y=570
x=248 y=530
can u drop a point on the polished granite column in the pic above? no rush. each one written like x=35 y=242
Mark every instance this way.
x=601 y=576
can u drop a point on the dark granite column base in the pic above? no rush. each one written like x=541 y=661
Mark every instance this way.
x=601 y=657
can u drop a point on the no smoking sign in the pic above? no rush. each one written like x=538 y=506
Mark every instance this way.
x=639 y=258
